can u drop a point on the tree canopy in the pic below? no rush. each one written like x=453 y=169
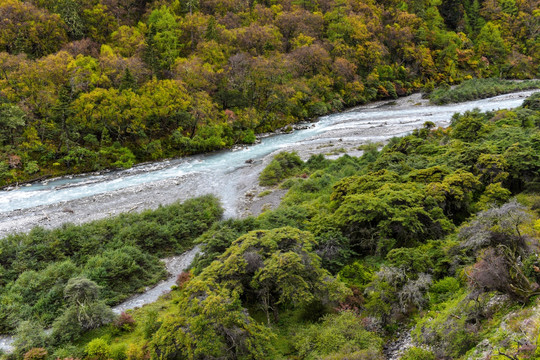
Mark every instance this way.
x=93 y=84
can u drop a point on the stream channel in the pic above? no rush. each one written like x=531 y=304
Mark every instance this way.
x=230 y=175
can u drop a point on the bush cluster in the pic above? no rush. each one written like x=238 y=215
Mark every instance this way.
x=120 y=254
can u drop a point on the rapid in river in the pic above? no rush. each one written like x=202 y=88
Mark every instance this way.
x=227 y=174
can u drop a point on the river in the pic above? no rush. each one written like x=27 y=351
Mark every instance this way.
x=230 y=175
x=226 y=174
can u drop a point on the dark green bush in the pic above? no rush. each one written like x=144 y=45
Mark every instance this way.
x=283 y=165
x=121 y=254
x=479 y=89
x=532 y=102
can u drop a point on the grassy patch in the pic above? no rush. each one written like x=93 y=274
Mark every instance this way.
x=264 y=193
x=480 y=89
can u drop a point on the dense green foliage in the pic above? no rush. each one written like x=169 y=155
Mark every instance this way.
x=478 y=89
x=120 y=254
x=342 y=336
x=396 y=226
x=398 y=229
x=273 y=270
x=391 y=217
x=93 y=84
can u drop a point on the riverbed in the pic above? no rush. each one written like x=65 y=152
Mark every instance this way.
x=231 y=175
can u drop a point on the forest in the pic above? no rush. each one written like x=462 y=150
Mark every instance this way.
x=437 y=231
x=87 y=85
x=432 y=236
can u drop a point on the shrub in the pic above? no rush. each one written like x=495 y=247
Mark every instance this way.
x=335 y=335
x=283 y=165
x=443 y=289
x=36 y=354
x=136 y=352
x=118 y=352
x=499 y=270
x=150 y=324
x=28 y=335
x=353 y=302
x=125 y=322
x=368 y=354
x=84 y=311
x=217 y=239
x=532 y=102
x=452 y=328
x=495 y=194
x=68 y=352
x=416 y=353
x=183 y=278
x=470 y=126
x=98 y=349
x=499 y=226
x=210 y=324
x=120 y=254
x=122 y=271
x=66 y=328
x=356 y=274
x=413 y=292
x=117 y=156
x=31 y=168
x=478 y=89
x=248 y=137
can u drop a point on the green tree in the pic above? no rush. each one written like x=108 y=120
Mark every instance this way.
x=128 y=41
x=377 y=214
x=70 y=12
x=491 y=44
x=99 y=23
x=162 y=40
x=84 y=311
x=476 y=21
x=30 y=30
x=276 y=268
x=12 y=118
x=210 y=322
x=127 y=82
